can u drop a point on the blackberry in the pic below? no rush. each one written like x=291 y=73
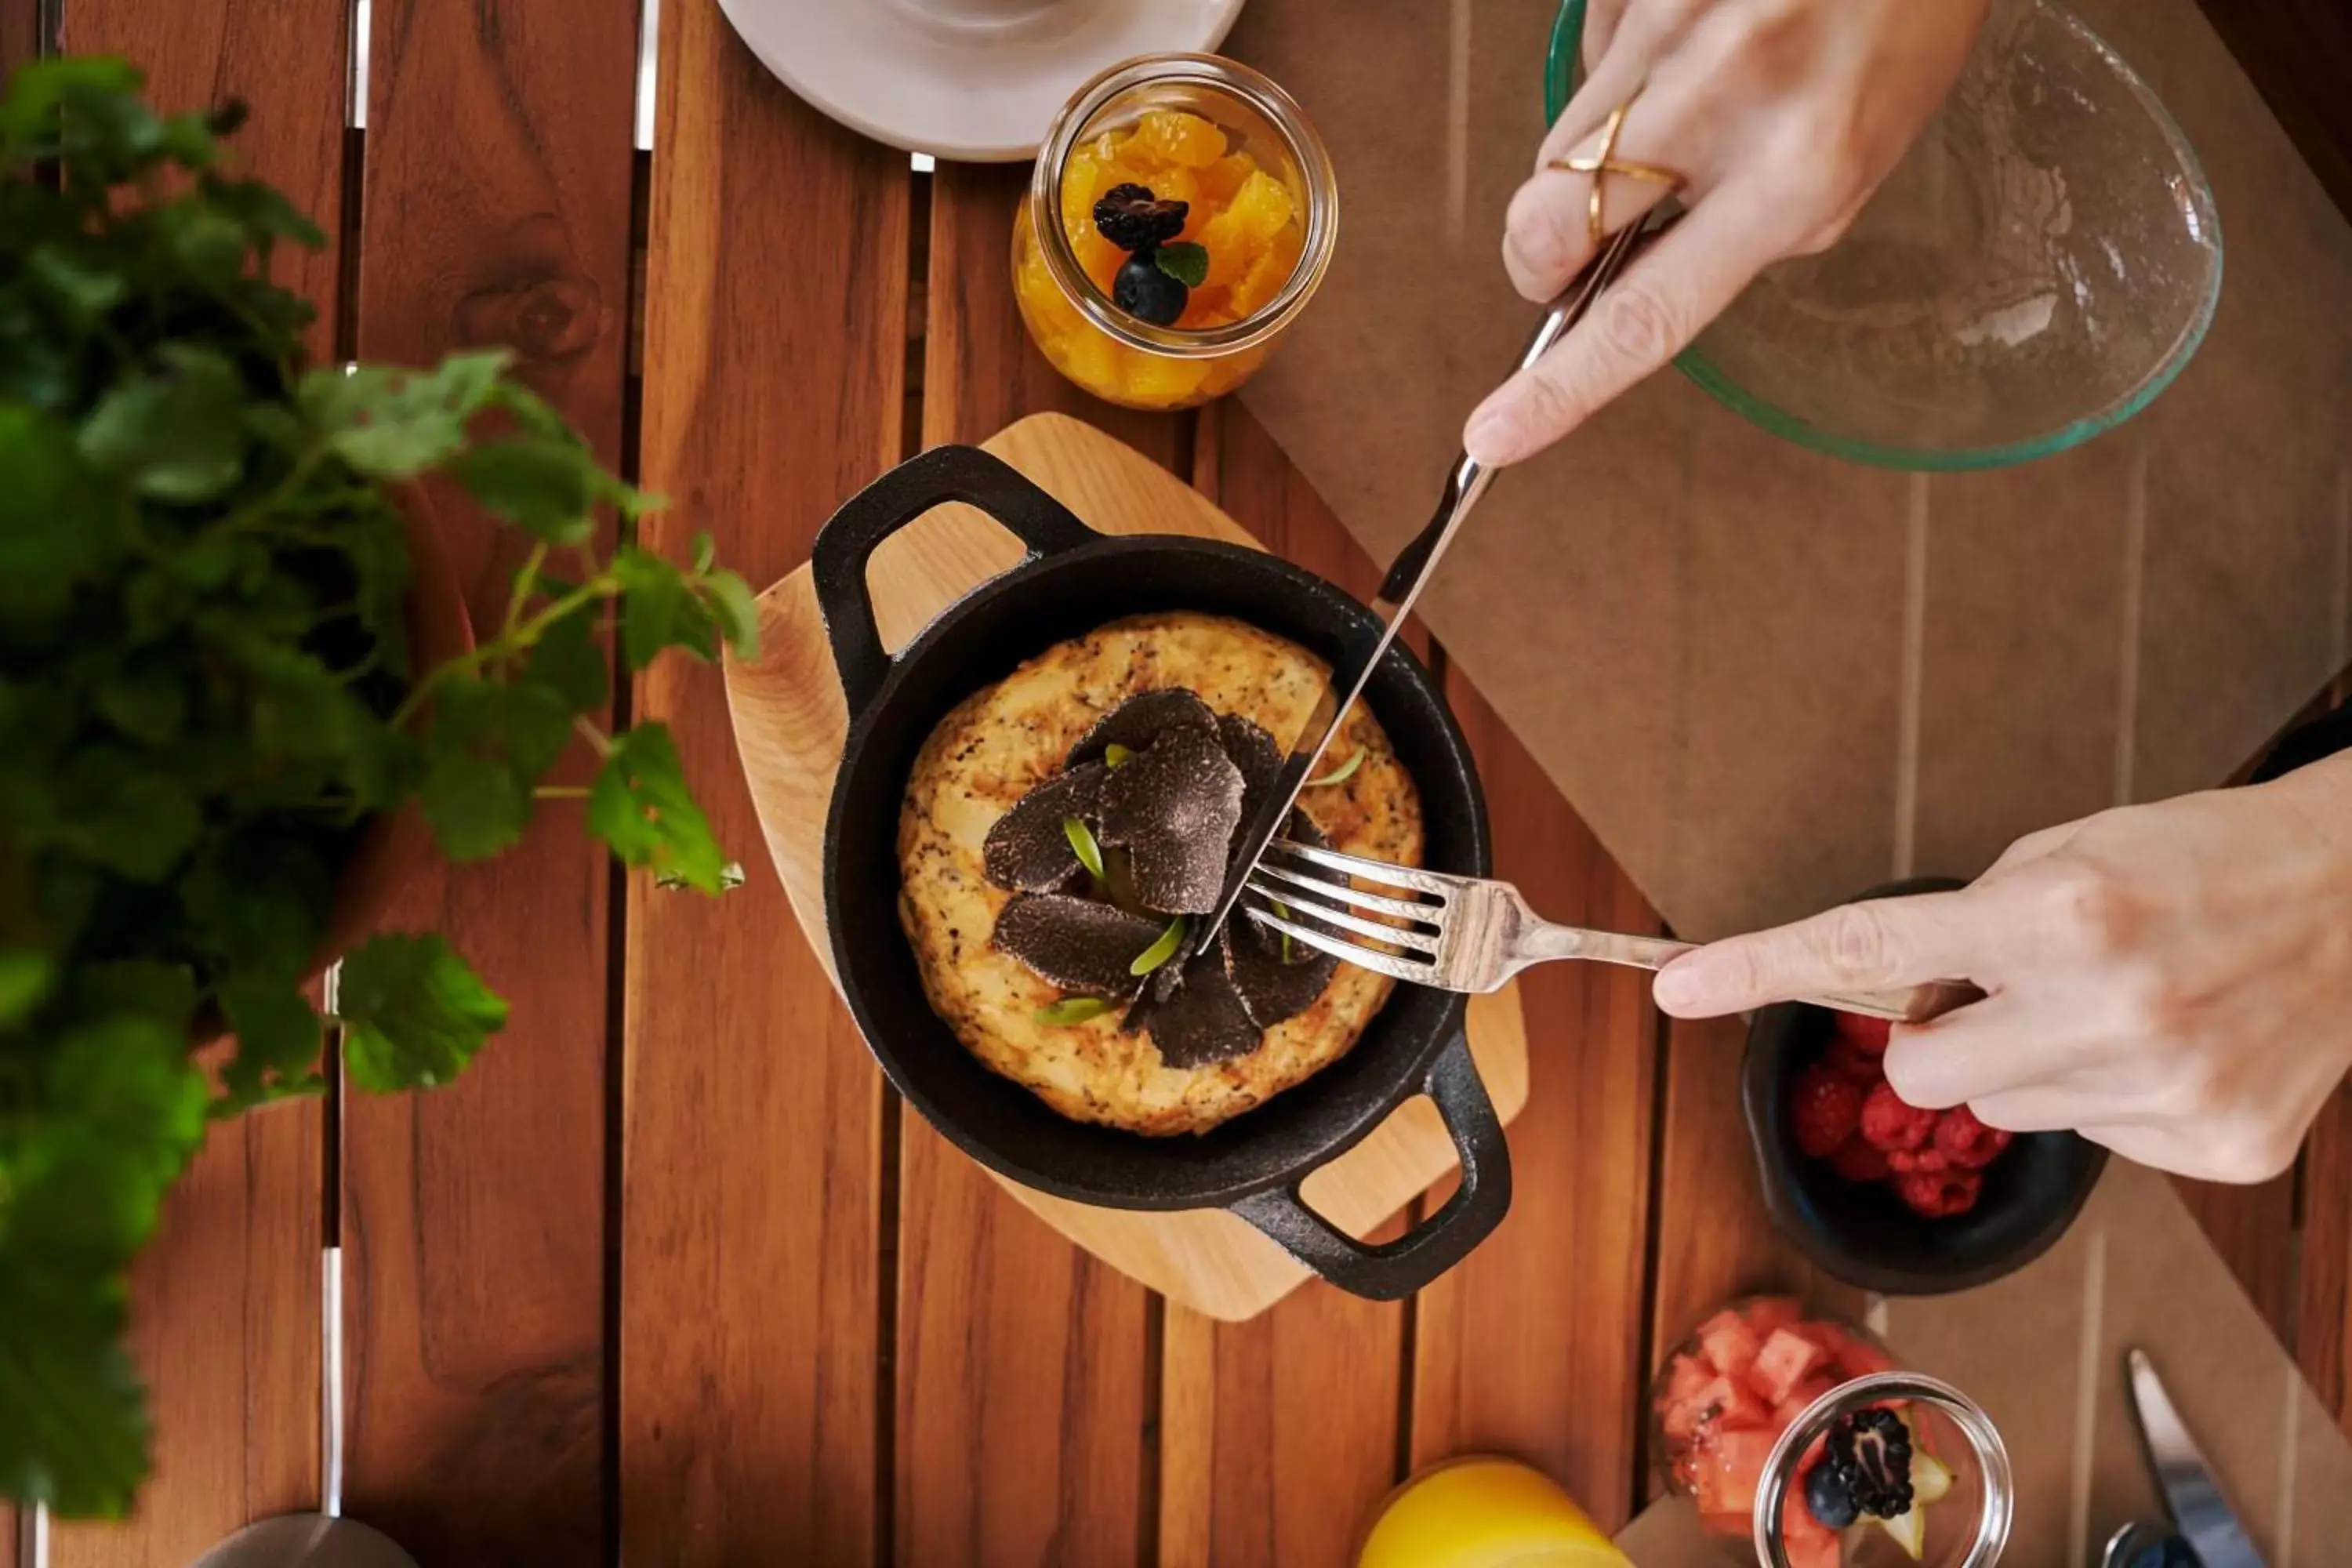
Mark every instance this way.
x=1132 y=218
x=1870 y=1456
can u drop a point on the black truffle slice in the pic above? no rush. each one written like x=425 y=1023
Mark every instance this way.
x=1175 y=807
x=1028 y=849
x=1203 y=1022
x=1142 y=720
x=1252 y=750
x=1078 y=944
x=1299 y=829
x=1270 y=989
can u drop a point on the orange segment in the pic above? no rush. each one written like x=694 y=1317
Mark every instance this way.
x=1173 y=136
x=1262 y=207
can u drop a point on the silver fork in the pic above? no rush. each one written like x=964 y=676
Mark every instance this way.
x=1470 y=933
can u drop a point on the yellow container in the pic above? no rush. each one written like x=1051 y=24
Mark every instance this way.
x=1484 y=1511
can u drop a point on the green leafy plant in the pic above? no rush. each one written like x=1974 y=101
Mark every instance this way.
x=207 y=694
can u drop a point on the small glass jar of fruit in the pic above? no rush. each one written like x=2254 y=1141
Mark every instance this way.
x=1803 y=1445
x=1182 y=213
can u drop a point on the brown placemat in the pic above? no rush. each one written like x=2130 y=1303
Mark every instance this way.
x=1766 y=678
x=2042 y=1352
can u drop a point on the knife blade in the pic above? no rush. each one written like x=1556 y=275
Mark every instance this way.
x=2198 y=1509
x=1401 y=589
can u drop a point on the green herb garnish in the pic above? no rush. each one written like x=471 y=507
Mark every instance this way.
x=1282 y=911
x=1082 y=843
x=1117 y=755
x=207 y=693
x=1339 y=774
x=1070 y=1010
x=1185 y=261
x=1160 y=951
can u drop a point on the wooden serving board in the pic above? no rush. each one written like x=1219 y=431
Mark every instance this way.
x=790 y=721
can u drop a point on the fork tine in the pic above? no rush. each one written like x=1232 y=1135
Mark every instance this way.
x=1418 y=940
x=1429 y=914
x=1418 y=881
x=1395 y=968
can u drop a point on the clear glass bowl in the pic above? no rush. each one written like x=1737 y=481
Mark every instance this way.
x=2037 y=270
x=1739 y=1446
x=1069 y=313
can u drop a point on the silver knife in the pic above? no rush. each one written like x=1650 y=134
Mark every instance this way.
x=2199 y=1510
x=1411 y=573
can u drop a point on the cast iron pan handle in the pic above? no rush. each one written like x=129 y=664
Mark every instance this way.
x=1391 y=1269
x=848 y=539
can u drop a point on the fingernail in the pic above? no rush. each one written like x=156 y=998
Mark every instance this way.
x=1680 y=984
x=1488 y=438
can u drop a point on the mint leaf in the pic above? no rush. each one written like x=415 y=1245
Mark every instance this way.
x=73 y=1422
x=640 y=805
x=486 y=749
x=25 y=975
x=276 y=1039
x=178 y=437
x=659 y=609
x=414 y=1013
x=729 y=599
x=569 y=662
x=390 y=423
x=1185 y=261
x=539 y=483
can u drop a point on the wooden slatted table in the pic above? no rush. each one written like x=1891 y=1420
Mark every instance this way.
x=670 y=1275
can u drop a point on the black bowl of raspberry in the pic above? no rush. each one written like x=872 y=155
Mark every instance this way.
x=1895 y=1199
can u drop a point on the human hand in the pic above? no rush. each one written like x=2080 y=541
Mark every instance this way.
x=2173 y=981
x=1783 y=115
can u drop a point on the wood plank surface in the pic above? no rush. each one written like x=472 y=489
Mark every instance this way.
x=1533 y=1345
x=1023 y=1390
x=754 y=1404
x=224 y=1303
x=496 y=212
x=19 y=40
x=1304 y=1400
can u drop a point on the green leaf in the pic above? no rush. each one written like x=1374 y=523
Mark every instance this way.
x=73 y=1419
x=276 y=1038
x=569 y=660
x=659 y=609
x=1118 y=756
x=395 y=424
x=729 y=599
x=125 y=813
x=640 y=805
x=1083 y=845
x=414 y=1013
x=177 y=438
x=1185 y=262
x=546 y=486
x=1339 y=774
x=53 y=533
x=1160 y=951
x=145 y=701
x=1070 y=1010
x=258 y=902
x=26 y=976
x=486 y=749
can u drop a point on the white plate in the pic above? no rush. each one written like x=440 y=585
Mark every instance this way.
x=977 y=81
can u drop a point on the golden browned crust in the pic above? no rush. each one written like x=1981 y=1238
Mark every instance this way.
x=998 y=743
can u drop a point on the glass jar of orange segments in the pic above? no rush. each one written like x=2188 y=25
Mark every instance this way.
x=1182 y=213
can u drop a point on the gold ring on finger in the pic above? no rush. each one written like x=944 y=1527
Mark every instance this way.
x=1603 y=162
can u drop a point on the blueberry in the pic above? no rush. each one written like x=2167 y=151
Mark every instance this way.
x=1826 y=1494
x=1145 y=293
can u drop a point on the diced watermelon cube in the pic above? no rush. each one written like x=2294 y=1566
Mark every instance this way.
x=1728 y=1343
x=1803 y=1394
x=1769 y=1312
x=1860 y=1360
x=1810 y=1550
x=1729 y=1404
x=1786 y=1359
x=1685 y=1375
x=1730 y=1469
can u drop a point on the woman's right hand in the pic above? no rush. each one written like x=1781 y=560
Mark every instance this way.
x=1783 y=116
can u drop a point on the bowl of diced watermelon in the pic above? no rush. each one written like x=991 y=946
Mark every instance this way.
x=1801 y=1443
x=1889 y=1196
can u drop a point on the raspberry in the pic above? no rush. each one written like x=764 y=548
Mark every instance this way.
x=1849 y=1061
x=1869 y=1035
x=1891 y=1125
x=1939 y=1195
x=1823 y=1110
x=1860 y=1161
x=1966 y=1141
x=1903 y=1161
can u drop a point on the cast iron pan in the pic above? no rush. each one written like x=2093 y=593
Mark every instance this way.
x=1071 y=581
